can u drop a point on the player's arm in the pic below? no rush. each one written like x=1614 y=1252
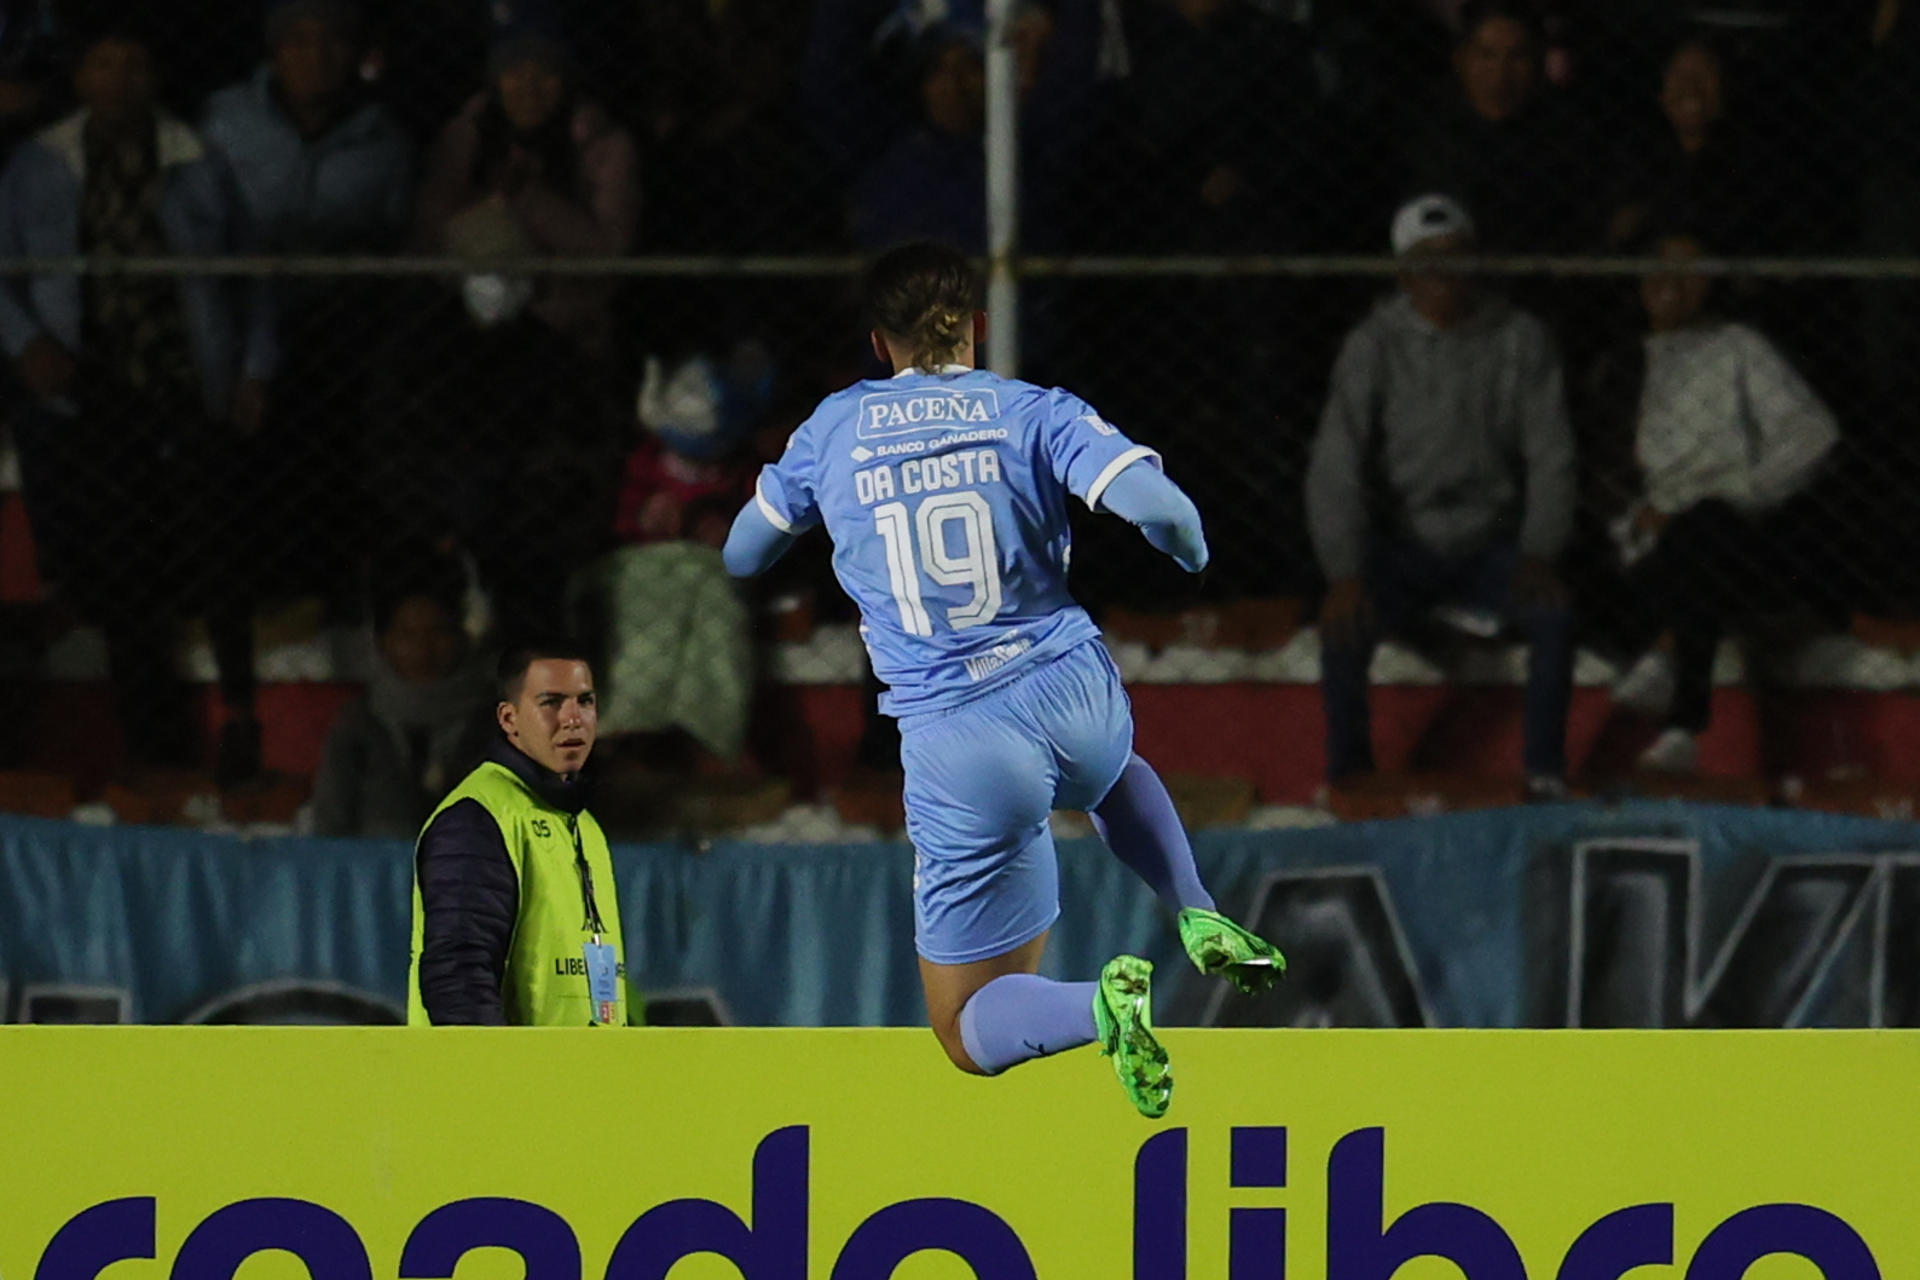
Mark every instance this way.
x=754 y=544
x=1109 y=472
x=1146 y=499
x=783 y=507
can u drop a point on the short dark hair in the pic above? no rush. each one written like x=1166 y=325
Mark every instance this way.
x=404 y=576
x=924 y=294
x=117 y=29
x=1695 y=38
x=387 y=608
x=1478 y=13
x=510 y=673
x=1670 y=225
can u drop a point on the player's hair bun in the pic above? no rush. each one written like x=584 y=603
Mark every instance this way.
x=923 y=297
x=945 y=328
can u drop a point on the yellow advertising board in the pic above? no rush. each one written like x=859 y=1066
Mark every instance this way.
x=374 y=1154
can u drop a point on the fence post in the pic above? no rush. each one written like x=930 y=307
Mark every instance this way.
x=1003 y=191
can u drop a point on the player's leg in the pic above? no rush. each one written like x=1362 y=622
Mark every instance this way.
x=1136 y=817
x=986 y=888
x=992 y=1014
x=1139 y=823
x=997 y=1013
x=980 y=785
x=1088 y=721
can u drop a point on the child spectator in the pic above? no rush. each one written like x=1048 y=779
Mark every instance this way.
x=423 y=724
x=680 y=655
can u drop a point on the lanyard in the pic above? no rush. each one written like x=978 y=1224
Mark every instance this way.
x=594 y=922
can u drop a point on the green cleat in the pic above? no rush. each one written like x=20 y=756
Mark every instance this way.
x=1217 y=945
x=1123 y=1016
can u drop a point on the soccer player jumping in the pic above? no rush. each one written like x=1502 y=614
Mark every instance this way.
x=944 y=490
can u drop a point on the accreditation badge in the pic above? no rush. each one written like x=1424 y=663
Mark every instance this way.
x=603 y=982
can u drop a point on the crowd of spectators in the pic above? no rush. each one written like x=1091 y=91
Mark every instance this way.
x=197 y=447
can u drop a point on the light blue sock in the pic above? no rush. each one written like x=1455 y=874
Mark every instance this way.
x=1141 y=826
x=1020 y=1016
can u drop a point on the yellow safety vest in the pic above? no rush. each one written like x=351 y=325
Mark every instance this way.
x=546 y=979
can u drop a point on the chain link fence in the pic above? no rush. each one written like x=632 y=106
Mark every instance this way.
x=512 y=293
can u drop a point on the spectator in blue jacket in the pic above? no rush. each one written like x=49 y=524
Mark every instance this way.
x=895 y=92
x=140 y=385
x=324 y=169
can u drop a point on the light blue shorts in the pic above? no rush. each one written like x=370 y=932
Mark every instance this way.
x=982 y=779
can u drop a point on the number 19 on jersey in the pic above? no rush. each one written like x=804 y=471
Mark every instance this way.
x=977 y=565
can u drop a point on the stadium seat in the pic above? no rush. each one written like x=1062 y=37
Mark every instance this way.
x=1699 y=789
x=871 y=799
x=1205 y=801
x=634 y=804
x=1902 y=634
x=274 y=800
x=1254 y=626
x=1400 y=795
x=1883 y=798
x=36 y=794
x=19 y=578
x=164 y=797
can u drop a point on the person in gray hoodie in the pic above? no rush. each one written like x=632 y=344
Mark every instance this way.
x=1442 y=478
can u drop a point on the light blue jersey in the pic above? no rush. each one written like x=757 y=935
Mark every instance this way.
x=946 y=498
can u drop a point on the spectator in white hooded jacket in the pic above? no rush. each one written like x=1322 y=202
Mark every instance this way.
x=1728 y=432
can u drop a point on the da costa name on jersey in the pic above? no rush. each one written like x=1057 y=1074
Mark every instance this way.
x=962 y=469
x=892 y=413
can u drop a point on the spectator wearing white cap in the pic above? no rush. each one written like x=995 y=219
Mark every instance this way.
x=1442 y=477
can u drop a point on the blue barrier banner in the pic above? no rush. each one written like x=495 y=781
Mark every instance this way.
x=1537 y=917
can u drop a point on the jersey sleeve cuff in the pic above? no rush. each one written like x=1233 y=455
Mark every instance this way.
x=1113 y=469
x=767 y=509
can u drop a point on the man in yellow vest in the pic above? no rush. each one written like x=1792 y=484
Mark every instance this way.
x=514 y=917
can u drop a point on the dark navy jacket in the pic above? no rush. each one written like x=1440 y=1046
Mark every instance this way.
x=471 y=897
